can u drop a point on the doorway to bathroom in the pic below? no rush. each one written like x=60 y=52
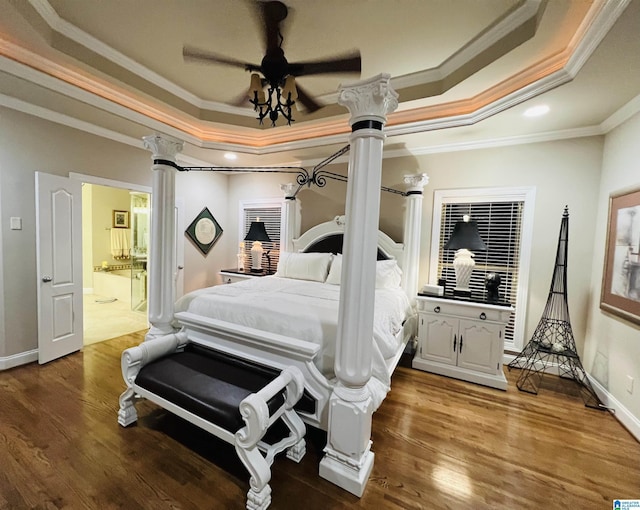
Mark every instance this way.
x=116 y=223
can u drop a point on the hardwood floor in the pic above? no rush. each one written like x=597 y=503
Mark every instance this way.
x=439 y=443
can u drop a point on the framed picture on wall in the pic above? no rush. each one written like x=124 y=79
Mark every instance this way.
x=204 y=231
x=621 y=276
x=120 y=219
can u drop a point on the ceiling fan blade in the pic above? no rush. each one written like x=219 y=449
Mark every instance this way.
x=272 y=14
x=241 y=100
x=310 y=104
x=194 y=54
x=350 y=63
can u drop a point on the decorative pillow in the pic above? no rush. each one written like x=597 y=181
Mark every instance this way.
x=388 y=273
x=304 y=266
x=336 y=270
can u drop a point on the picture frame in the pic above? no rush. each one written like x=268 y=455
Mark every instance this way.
x=120 y=219
x=204 y=231
x=620 y=294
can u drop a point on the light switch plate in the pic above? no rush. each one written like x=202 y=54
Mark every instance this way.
x=16 y=223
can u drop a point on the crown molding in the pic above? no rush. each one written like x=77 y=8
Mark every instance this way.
x=56 y=23
x=534 y=81
x=511 y=21
x=624 y=113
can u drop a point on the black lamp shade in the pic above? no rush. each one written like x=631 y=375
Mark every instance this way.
x=465 y=235
x=257 y=232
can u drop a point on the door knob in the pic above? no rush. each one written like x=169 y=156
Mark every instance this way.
x=46 y=279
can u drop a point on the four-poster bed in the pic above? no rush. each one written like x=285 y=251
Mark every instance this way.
x=344 y=404
x=303 y=309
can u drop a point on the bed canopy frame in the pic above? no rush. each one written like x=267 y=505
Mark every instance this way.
x=348 y=459
x=317 y=176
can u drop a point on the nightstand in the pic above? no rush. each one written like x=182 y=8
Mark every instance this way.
x=233 y=275
x=462 y=339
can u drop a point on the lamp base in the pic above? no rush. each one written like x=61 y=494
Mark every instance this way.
x=465 y=293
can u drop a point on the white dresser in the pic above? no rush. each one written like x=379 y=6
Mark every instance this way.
x=462 y=339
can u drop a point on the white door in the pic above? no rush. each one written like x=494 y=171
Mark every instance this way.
x=59 y=265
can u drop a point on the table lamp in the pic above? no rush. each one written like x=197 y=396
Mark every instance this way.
x=465 y=237
x=258 y=234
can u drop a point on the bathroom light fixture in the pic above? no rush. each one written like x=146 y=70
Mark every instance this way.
x=230 y=156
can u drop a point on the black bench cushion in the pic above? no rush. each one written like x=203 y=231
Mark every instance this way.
x=207 y=385
x=306 y=403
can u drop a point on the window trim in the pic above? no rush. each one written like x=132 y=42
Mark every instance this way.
x=525 y=194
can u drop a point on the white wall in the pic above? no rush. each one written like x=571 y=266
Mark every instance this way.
x=612 y=347
x=29 y=144
x=197 y=190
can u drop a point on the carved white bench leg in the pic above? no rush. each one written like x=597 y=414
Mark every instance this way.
x=255 y=413
x=298 y=429
x=127 y=413
x=259 y=495
x=259 y=500
x=133 y=359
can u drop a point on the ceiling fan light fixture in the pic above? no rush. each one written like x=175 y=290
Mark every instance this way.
x=277 y=103
x=289 y=91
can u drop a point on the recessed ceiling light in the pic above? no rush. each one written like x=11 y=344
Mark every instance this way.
x=536 y=111
x=230 y=156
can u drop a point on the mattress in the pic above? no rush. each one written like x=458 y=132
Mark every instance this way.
x=305 y=310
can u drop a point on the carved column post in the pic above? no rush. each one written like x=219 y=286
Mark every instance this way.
x=349 y=460
x=290 y=229
x=412 y=230
x=162 y=250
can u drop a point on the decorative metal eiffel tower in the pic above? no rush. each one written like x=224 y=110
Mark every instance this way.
x=552 y=340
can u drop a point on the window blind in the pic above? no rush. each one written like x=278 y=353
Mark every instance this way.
x=500 y=227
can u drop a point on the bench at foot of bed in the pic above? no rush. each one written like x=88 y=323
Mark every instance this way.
x=234 y=401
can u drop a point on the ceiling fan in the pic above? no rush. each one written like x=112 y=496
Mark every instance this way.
x=275 y=72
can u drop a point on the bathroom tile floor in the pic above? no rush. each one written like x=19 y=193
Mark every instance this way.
x=105 y=319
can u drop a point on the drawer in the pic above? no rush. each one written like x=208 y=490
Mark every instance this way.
x=467 y=310
x=233 y=278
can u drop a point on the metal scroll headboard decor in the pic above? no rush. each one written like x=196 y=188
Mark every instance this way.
x=317 y=176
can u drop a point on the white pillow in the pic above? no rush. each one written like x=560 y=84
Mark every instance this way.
x=388 y=273
x=336 y=270
x=304 y=266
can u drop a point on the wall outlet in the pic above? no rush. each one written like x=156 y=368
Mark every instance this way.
x=629 y=384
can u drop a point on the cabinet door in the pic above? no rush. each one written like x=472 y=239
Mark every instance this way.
x=437 y=336
x=478 y=346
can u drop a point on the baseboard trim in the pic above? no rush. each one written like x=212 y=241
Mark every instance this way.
x=621 y=413
x=626 y=418
x=15 y=360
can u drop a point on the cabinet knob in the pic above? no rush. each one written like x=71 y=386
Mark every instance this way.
x=483 y=316
x=437 y=309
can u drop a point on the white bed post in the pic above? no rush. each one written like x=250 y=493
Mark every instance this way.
x=412 y=230
x=291 y=215
x=349 y=459
x=162 y=263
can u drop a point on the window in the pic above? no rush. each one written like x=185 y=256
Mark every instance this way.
x=504 y=217
x=271 y=213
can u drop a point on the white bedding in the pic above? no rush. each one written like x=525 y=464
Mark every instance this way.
x=305 y=310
